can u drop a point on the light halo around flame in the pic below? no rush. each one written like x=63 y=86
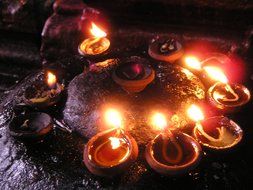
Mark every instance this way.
x=96 y=31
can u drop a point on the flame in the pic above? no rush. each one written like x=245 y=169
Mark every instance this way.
x=113 y=118
x=96 y=31
x=51 y=79
x=159 y=121
x=195 y=113
x=193 y=62
x=115 y=142
x=216 y=74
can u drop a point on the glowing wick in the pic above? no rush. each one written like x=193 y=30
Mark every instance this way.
x=115 y=142
x=113 y=118
x=195 y=113
x=51 y=80
x=216 y=74
x=193 y=62
x=159 y=121
x=96 y=31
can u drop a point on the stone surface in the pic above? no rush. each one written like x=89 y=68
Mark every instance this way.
x=173 y=89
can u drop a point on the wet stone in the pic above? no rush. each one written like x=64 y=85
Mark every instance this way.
x=95 y=90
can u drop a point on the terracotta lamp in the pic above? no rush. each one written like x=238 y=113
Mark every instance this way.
x=44 y=93
x=95 y=45
x=133 y=76
x=216 y=132
x=110 y=152
x=165 y=49
x=172 y=152
x=31 y=125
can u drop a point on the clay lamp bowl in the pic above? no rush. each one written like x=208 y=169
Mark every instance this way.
x=96 y=45
x=171 y=152
x=44 y=94
x=174 y=154
x=228 y=97
x=133 y=76
x=110 y=153
x=165 y=49
x=218 y=133
x=32 y=125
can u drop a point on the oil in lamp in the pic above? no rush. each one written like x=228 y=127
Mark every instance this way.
x=171 y=152
x=165 y=49
x=95 y=45
x=110 y=152
x=217 y=132
x=133 y=76
x=31 y=125
x=43 y=95
x=223 y=95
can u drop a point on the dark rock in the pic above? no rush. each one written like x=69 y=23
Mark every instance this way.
x=60 y=36
x=69 y=6
x=173 y=89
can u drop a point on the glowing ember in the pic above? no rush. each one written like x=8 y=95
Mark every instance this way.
x=195 y=113
x=113 y=118
x=216 y=74
x=115 y=142
x=51 y=79
x=96 y=31
x=159 y=121
x=193 y=62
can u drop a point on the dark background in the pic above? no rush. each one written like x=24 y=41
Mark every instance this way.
x=56 y=163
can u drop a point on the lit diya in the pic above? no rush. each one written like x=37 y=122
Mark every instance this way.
x=44 y=94
x=110 y=152
x=165 y=49
x=223 y=95
x=95 y=45
x=31 y=125
x=216 y=132
x=172 y=152
x=133 y=75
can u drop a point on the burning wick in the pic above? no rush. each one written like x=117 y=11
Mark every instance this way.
x=111 y=151
x=113 y=118
x=193 y=62
x=217 y=74
x=96 y=44
x=51 y=80
x=195 y=113
x=159 y=122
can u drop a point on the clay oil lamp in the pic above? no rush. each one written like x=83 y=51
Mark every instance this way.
x=223 y=95
x=44 y=94
x=34 y=125
x=133 y=76
x=172 y=152
x=110 y=152
x=95 y=45
x=215 y=133
x=165 y=49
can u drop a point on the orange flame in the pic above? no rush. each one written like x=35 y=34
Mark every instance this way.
x=113 y=118
x=195 y=113
x=51 y=79
x=193 y=62
x=96 y=31
x=159 y=121
x=216 y=74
